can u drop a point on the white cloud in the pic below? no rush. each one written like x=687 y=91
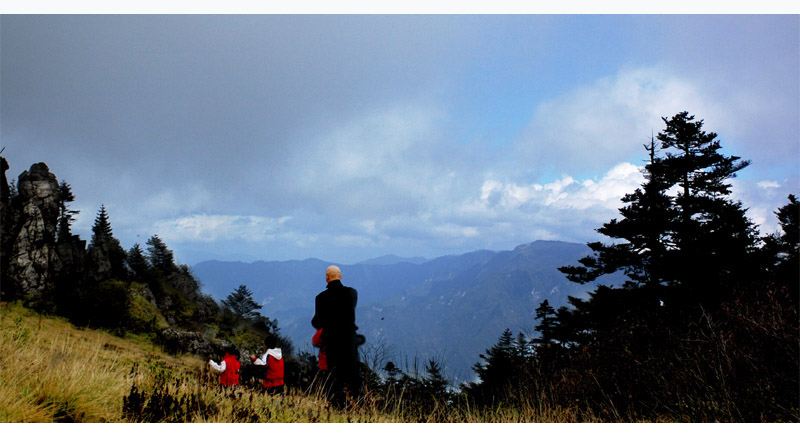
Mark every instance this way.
x=565 y=193
x=607 y=121
x=768 y=185
x=210 y=228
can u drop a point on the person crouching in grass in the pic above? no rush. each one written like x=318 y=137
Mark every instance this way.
x=272 y=360
x=228 y=367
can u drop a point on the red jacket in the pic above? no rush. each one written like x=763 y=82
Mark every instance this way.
x=231 y=374
x=316 y=340
x=273 y=361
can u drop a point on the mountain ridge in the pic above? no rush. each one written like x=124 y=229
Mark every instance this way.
x=449 y=308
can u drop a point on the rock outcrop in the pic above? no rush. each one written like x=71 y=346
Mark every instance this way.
x=175 y=341
x=33 y=260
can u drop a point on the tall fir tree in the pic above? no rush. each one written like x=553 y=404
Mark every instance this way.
x=101 y=229
x=713 y=242
x=66 y=215
x=681 y=241
x=107 y=255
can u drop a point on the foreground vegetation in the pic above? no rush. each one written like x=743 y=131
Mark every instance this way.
x=54 y=371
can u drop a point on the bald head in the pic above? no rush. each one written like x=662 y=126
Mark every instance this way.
x=332 y=273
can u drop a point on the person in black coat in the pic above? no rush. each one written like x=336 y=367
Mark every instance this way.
x=335 y=314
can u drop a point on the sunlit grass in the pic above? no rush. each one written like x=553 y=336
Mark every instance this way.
x=54 y=372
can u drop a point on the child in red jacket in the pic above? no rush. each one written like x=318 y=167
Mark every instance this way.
x=272 y=360
x=229 y=366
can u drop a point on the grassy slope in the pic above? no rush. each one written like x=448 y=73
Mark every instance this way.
x=51 y=371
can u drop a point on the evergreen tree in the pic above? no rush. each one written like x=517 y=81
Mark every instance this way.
x=678 y=250
x=546 y=314
x=66 y=215
x=641 y=240
x=522 y=348
x=102 y=226
x=783 y=248
x=714 y=241
x=159 y=255
x=137 y=261
x=241 y=303
x=434 y=383
x=107 y=255
x=498 y=368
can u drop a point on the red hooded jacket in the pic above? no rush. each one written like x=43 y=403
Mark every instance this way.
x=273 y=361
x=231 y=374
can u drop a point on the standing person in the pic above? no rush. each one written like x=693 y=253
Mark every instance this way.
x=272 y=360
x=335 y=314
x=229 y=367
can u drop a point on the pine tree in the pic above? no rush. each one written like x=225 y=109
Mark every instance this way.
x=498 y=367
x=137 y=261
x=241 y=303
x=783 y=248
x=159 y=255
x=434 y=383
x=641 y=239
x=713 y=239
x=108 y=256
x=677 y=250
x=66 y=215
x=102 y=226
x=546 y=314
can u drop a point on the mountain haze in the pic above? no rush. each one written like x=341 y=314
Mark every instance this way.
x=450 y=308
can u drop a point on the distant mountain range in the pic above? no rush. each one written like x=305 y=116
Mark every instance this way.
x=450 y=308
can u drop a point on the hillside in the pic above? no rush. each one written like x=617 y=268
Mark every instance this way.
x=451 y=308
x=83 y=375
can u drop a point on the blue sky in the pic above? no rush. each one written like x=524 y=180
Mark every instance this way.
x=349 y=137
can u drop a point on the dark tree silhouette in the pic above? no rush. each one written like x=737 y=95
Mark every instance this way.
x=108 y=258
x=137 y=261
x=159 y=255
x=66 y=215
x=677 y=250
x=241 y=303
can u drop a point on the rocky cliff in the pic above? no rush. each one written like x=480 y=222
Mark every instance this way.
x=31 y=218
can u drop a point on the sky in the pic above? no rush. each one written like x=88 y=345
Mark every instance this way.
x=349 y=137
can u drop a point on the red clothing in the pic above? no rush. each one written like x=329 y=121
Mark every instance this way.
x=316 y=340
x=274 y=376
x=231 y=374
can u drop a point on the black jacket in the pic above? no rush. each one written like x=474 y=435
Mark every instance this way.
x=335 y=309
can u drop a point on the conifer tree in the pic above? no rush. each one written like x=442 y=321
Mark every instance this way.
x=434 y=383
x=66 y=215
x=102 y=226
x=137 y=261
x=713 y=240
x=241 y=303
x=106 y=252
x=783 y=248
x=682 y=249
x=498 y=366
x=546 y=314
x=159 y=255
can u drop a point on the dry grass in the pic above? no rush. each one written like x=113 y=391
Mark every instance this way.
x=54 y=372
x=51 y=371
